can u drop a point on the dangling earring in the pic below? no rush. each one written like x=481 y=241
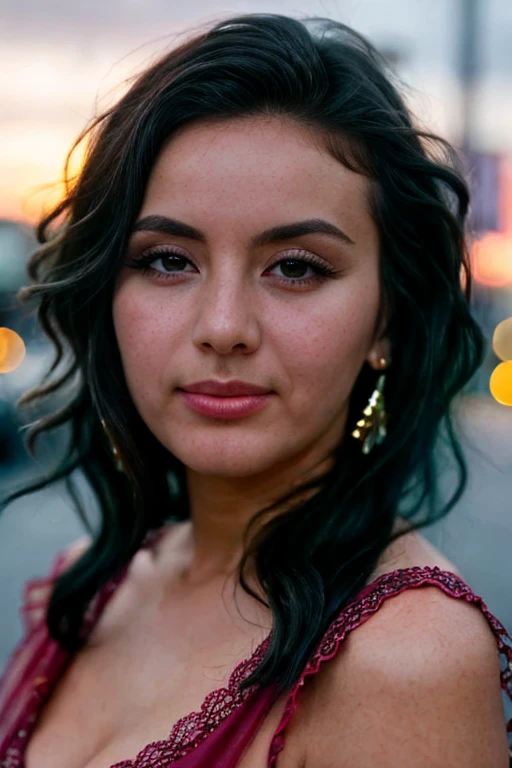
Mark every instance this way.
x=371 y=429
x=113 y=448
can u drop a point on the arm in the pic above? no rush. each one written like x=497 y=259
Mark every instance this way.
x=417 y=685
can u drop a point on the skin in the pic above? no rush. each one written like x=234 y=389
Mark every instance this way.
x=234 y=313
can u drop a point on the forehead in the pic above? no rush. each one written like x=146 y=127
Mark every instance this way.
x=257 y=163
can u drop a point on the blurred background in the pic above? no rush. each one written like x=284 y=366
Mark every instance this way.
x=64 y=62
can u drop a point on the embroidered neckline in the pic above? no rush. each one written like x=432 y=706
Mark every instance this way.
x=192 y=729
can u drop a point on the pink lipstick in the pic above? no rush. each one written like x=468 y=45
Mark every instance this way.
x=225 y=400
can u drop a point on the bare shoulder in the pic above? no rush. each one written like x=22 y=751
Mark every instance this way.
x=418 y=685
x=411 y=549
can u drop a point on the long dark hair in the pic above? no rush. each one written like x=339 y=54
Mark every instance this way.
x=314 y=558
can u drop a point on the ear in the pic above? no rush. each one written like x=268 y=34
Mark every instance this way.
x=379 y=352
x=381 y=347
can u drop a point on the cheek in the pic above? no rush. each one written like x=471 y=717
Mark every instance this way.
x=325 y=346
x=145 y=339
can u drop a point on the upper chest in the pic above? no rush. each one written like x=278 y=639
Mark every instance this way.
x=151 y=660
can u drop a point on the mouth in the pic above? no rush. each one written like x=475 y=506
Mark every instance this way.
x=225 y=406
x=234 y=388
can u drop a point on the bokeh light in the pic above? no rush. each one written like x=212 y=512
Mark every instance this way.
x=492 y=260
x=12 y=350
x=502 y=340
x=501 y=383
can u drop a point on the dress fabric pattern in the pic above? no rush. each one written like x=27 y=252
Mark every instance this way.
x=218 y=734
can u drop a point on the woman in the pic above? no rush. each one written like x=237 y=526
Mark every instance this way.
x=259 y=242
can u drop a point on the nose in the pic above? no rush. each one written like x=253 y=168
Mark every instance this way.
x=226 y=317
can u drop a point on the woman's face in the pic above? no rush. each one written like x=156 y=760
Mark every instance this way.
x=295 y=315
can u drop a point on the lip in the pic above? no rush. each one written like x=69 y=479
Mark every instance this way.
x=222 y=407
x=234 y=388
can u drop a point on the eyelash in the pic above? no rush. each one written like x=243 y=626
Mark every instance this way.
x=322 y=271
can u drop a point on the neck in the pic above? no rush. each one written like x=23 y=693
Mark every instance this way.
x=221 y=508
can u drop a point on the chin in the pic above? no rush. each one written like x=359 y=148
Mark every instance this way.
x=227 y=467
x=226 y=460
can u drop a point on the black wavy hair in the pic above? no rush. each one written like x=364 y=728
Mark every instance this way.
x=314 y=558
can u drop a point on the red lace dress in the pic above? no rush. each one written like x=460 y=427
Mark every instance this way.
x=217 y=735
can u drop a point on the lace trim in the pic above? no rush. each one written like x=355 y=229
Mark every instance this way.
x=369 y=601
x=192 y=729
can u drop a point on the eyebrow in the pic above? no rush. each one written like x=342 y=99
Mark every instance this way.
x=274 y=234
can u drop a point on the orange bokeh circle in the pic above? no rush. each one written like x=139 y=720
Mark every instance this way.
x=12 y=350
x=492 y=260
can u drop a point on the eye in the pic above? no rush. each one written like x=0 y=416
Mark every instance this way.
x=171 y=262
x=163 y=262
x=294 y=269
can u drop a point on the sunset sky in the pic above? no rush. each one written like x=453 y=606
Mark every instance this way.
x=63 y=62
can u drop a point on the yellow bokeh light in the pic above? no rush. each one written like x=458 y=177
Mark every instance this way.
x=501 y=383
x=12 y=350
x=502 y=340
